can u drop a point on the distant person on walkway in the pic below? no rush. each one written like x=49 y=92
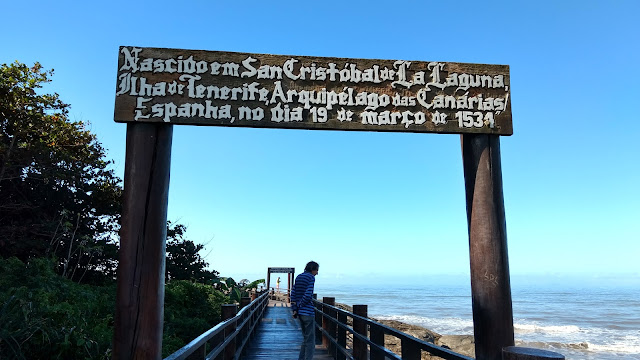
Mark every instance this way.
x=278 y=283
x=302 y=307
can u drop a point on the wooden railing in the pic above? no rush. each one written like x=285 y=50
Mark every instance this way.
x=227 y=339
x=368 y=336
x=282 y=294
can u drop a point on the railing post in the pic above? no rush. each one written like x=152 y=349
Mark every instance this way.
x=377 y=337
x=410 y=350
x=342 y=336
x=228 y=312
x=244 y=301
x=244 y=332
x=523 y=353
x=318 y=321
x=359 y=326
x=326 y=323
x=199 y=354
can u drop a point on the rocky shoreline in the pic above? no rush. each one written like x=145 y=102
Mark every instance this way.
x=462 y=344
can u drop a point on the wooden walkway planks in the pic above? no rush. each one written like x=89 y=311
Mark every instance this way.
x=278 y=336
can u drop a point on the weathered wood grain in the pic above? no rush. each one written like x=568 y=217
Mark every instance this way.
x=149 y=79
x=141 y=259
x=490 y=283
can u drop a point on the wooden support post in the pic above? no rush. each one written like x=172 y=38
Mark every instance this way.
x=318 y=322
x=326 y=323
x=200 y=353
x=490 y=284
x=359 y=326
x=342 y=336
x=268 y=280
x=523 y=353
x=333 y=327
x=410 y=350
x=244 y=301
x=229 y=311
x=377 y=337
x=143 y=234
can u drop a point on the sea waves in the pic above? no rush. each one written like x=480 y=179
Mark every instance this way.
x=534 y=328
x=443 y=326
x=587 y=350
x=570 y=340
x=578 y=320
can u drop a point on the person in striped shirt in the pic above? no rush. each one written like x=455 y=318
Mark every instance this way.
x=303 y=309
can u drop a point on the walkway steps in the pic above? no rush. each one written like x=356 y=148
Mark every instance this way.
x=279 y=337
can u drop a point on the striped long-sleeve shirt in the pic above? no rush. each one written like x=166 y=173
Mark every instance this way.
x=302 y=294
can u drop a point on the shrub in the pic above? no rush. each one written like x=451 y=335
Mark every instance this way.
x=46 y=316
x=189 y=310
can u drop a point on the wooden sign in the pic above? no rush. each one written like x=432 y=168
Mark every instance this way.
x=281 y=270
x=195 y=87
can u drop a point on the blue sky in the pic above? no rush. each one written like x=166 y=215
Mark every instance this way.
x=379 y=205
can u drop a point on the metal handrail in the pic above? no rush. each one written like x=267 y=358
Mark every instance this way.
x=406 y=339
x=249 y=317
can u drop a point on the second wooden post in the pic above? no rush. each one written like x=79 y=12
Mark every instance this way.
x=359 y=326
x=490 y=284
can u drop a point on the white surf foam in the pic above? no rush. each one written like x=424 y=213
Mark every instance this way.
x=565 y=339
x=443 y=326
x=535 y=328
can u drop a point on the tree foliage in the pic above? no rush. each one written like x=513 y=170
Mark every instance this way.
x=236 y=290
x=58 y=196
x=184 y=261
x=59 y=217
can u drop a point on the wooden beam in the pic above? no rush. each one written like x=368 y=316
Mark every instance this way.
x=352 y=94
x=490 y=284
x=141 y=262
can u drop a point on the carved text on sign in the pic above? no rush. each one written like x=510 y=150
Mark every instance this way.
x=235 y=89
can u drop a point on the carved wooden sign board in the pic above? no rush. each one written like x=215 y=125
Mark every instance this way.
x=195 y=87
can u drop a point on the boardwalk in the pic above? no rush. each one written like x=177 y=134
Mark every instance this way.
x=279 y=336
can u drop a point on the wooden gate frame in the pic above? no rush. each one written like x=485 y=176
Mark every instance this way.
x=140 y=284
x=281 y=270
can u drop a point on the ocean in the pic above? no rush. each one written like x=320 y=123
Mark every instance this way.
x=581 y=320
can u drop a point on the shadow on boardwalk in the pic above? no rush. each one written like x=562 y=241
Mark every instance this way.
x=279 y=336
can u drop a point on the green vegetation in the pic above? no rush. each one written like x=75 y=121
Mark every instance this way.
x=183 y=258
x=60 y=205
x=58 y=197
x=44 y=315
x=236 y=290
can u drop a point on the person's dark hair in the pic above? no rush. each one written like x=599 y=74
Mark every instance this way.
x=311 y=266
